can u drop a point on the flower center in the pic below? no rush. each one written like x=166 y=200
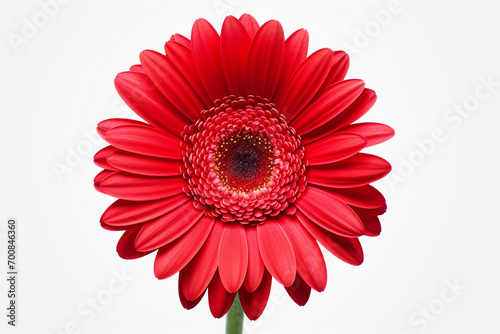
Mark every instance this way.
x=242 y=161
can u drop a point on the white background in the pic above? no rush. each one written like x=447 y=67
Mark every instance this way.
x=442 y=221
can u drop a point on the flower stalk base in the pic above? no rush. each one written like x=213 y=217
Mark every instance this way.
x=234 y=319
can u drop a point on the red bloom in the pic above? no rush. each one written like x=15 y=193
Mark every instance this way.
x=247 y=159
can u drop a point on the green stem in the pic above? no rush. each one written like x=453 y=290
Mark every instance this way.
x=234 y=319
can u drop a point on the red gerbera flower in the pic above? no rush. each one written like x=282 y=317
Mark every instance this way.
x=247 y=159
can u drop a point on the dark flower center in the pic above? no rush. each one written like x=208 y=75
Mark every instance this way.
x=244 y=162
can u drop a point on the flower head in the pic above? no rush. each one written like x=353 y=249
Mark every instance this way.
x=246 y=160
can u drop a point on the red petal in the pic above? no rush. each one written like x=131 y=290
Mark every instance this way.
x=165 y=229
x=100 y=158
x=142 y=96
x=339 y=68
x=182 y=58
x=125 y=213
x=172 y=84
x=354 y=111
x=250 y=24
x=305 y=83
x=141 y=188
x=346 y=249
x=205 y=45
x=114 y=228
x=364 y=197
x=186 y=303
x=144 y=165
x=375 y=133
x=329 y=212
x=181 y=40
x=299 y=291
x=295 y=52
x=175 y=255
x=375 y=211
x=371 y=223
x=101 y=176
x=198 y=273
x=233 y=257
x=310 y=262
x=358 y=170
x=137 y=68
x=234 y=42
x=253 y=304
x=265 y=57
x=125 y=246
x=277 y=252
x=335 y=147
x=144 y=140
x=255 y=264
x=107 y=124
x=219 y=299
x=329 y=103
